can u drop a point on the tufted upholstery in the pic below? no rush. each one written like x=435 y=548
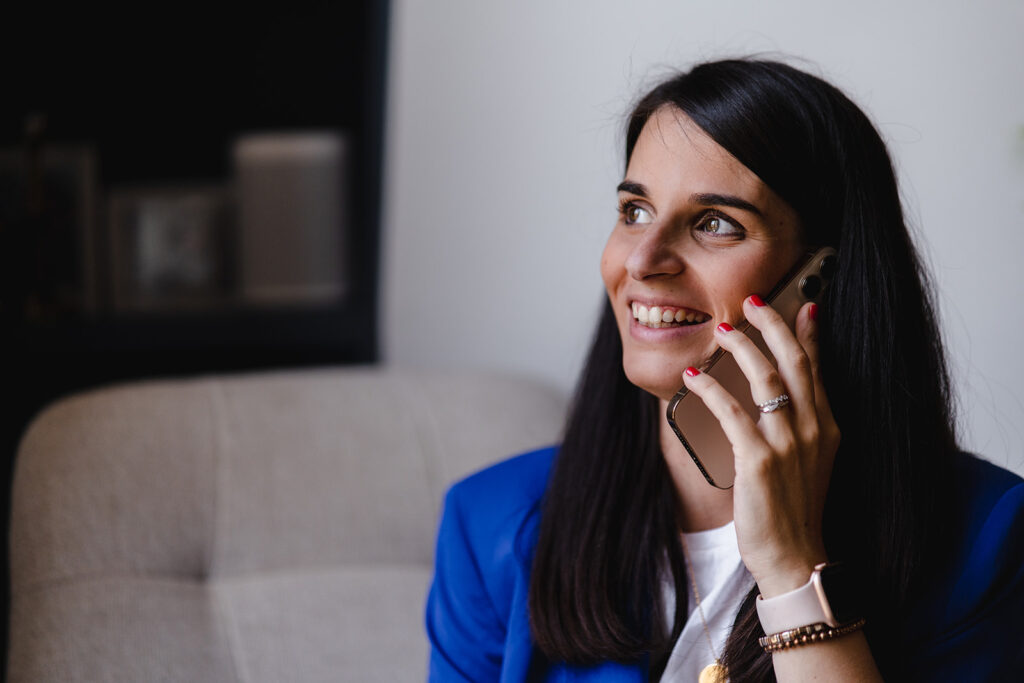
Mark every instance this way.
x=267 y=527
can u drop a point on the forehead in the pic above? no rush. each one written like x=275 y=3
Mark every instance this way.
x=673 y=152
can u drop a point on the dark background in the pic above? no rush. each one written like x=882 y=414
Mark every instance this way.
x=160 y=92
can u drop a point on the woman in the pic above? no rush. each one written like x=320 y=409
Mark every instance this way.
x=568 y=563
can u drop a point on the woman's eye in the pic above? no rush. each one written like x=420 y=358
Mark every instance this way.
x=718 y=225
x=636 y=215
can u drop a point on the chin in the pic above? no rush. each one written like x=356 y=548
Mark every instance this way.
x=660 y=379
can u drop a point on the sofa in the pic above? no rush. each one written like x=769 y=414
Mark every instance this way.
x=276 y=526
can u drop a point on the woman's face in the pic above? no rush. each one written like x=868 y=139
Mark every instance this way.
x=697 y=233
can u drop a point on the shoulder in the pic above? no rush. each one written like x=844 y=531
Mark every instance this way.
x=504 y=491
x=476 y=605
x=495 y=511
x=972 y=609
x=987 y=520
x=488 y=524
x=989 y=528
x=985 y=484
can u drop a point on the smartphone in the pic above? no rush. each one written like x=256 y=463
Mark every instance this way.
x=699 y=430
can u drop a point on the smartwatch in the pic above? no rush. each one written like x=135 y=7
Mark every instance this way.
x=830 y=597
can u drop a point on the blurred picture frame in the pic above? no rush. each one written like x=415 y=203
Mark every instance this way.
x=170 y=248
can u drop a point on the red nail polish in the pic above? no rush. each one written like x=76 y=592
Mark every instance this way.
x=692 y=371
x=756 y=300
x=724 y=327
x=812 y=312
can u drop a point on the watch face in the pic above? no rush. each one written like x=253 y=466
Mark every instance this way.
x=843 y=592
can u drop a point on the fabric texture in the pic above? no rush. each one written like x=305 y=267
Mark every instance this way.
x=267 y=527
x=967 y=629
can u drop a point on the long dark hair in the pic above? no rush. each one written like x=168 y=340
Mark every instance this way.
x=608 y=532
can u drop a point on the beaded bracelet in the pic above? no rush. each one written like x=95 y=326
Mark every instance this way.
x=805 y=635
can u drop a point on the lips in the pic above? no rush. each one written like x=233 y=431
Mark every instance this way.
x=659 y=316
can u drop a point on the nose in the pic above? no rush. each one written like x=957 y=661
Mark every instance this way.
x=656 y=253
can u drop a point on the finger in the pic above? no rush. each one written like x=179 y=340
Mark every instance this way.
x=763 y=380
x=807 y=334
x=792 y=364
x=739 y=428
x=807 y=331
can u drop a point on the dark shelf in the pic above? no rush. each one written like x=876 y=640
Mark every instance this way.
x=160 y=93
x=162 y=90
x=338 y=328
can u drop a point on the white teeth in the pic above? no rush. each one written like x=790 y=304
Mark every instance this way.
x=658 y=316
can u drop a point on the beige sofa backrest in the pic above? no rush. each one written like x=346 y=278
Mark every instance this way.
x=268 y=527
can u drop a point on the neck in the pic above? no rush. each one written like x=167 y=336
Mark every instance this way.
x=701 y=505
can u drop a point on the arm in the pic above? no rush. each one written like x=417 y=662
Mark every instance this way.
x=466 y=635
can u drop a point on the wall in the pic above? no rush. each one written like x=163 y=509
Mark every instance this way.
x=503 y=151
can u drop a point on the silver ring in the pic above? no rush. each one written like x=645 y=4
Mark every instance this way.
x=773 y=404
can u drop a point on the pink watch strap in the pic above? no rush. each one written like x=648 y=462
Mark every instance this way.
x=800 y=607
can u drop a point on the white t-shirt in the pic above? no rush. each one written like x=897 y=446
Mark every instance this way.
x=723 y=582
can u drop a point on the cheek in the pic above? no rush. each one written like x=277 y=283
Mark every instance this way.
x=613 y=263
x=606 y=271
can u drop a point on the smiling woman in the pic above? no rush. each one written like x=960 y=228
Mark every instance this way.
x=857 y=540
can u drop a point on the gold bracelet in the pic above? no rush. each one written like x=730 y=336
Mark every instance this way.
x=805 y=635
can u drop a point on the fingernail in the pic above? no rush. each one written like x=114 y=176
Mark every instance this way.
x=724 y=327
x=812 y=312
x=756 y=300
x=692 y=371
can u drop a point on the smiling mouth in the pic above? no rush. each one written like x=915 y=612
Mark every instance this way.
x=667 y=316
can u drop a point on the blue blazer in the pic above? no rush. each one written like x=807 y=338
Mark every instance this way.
x=970 y=629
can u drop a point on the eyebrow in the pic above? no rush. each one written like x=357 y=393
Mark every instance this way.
x=632 y=188
x=704 y=198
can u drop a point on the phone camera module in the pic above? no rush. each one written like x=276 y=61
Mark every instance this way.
x=828 y=266
x=810 y=286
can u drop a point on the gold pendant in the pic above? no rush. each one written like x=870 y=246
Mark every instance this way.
x=713 y=673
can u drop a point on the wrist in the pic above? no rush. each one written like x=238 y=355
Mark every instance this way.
x=783 y=579
x=830 y=596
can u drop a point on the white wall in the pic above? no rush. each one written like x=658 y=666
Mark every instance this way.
x=504 y=148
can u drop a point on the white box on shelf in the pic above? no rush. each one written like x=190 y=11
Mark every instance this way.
x=293 y=231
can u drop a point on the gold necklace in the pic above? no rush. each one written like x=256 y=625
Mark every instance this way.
x=714 y=672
